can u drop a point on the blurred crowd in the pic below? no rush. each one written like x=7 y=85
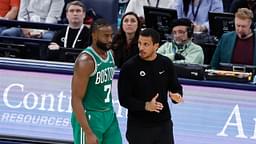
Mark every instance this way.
x=236 y=47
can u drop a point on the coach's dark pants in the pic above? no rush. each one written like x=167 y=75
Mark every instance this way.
x=162 y=134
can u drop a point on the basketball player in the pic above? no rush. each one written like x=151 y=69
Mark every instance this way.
x=93 y=118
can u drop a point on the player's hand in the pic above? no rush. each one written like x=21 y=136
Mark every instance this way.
x=153 y=105
x=91 y=138
x=176 y=97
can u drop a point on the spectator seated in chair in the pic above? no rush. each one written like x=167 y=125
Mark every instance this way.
x=239 y=46
x=181 y=49
x=125 y=42
x=75 y=36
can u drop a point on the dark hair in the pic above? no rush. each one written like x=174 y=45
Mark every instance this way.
x=99 y=23
x=184 y=22
x=149 y=32
x=76 y=3
x=121 y=30
x=186 y=6
x=120 y=37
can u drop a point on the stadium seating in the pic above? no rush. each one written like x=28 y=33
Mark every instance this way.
x=20 y=46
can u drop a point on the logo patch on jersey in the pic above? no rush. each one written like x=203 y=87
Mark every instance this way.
x=142 y=73
x=62 y=39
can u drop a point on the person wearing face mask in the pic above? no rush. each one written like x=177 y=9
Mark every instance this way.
x=181 y=49
x=125 y=42
x=237 y=47
x=93 y=118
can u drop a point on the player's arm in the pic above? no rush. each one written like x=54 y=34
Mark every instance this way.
x=84 y=66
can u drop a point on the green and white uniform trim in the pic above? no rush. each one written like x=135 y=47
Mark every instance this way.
x=97 y=103
x=98 y=96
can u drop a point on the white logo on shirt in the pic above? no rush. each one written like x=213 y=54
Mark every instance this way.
x=99 y=64
x=62 y=39
x=142 y=73
x=161 y=72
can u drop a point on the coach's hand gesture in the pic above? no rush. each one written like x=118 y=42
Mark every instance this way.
x=153 y=105
x=176 y=97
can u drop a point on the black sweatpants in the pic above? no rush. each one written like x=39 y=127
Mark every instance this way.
x=162 y=134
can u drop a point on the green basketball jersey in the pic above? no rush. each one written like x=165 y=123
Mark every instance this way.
x=98 y=96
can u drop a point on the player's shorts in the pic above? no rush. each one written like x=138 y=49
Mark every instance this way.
x=103 y=124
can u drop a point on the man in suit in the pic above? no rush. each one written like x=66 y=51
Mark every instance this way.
x=237 y=47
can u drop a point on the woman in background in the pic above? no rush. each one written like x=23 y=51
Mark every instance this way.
x=125 y=42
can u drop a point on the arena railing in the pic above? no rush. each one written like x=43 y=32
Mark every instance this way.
x=9 y=44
